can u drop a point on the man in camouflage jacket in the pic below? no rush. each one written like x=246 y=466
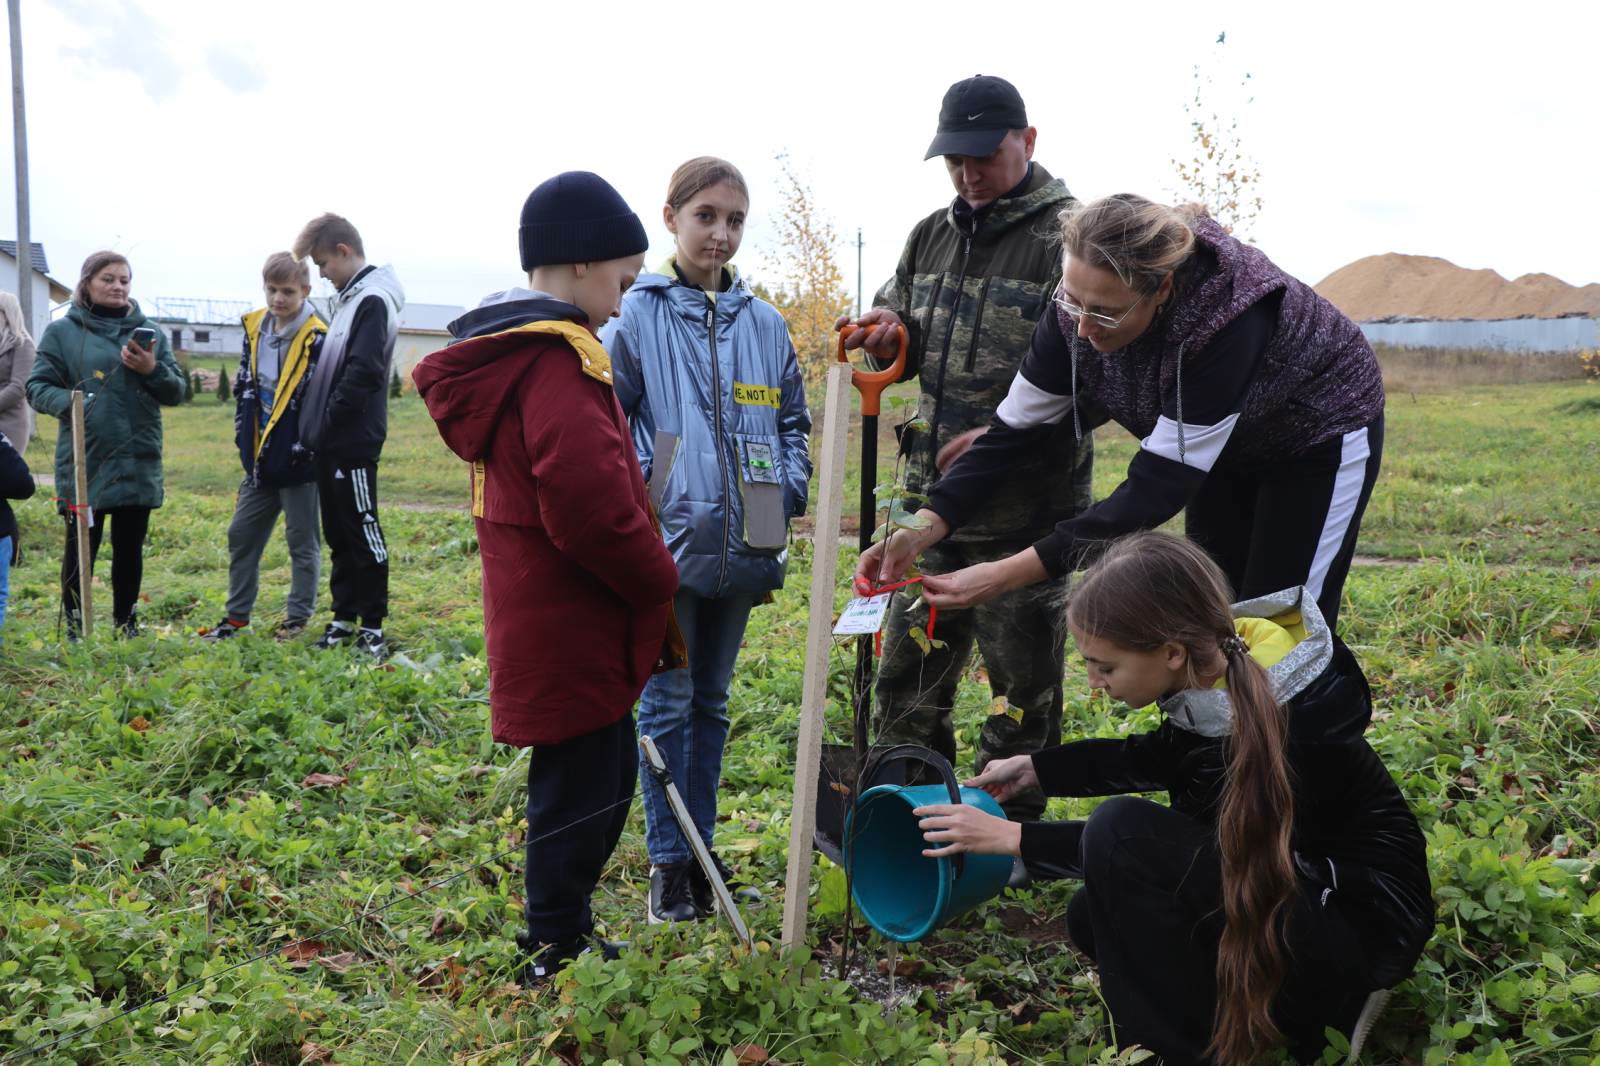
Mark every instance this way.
x=971 y=283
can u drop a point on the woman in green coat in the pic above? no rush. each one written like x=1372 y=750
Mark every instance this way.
x=92 y=348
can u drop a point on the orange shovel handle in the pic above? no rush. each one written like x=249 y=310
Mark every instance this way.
x=871 y=383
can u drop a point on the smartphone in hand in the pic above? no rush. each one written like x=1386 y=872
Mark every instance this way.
x=145 y=338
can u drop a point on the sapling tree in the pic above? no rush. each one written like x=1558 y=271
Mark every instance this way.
x=1218 y=172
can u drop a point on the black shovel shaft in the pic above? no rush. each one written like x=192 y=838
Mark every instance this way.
x=869 y=513
x=869 y=478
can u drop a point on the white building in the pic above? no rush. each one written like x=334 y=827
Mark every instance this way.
x=213 y=327
x=48 y=293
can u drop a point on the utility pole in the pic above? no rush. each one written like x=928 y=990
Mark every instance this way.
x=19 y=128
x=858 y=263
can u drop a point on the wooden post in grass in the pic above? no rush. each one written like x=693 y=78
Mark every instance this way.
x=80 y=498
x=829 y=503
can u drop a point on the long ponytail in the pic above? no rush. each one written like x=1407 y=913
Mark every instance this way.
x=1258 y=879
x=1150 y=589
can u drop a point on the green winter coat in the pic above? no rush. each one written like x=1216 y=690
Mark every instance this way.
x=970 y=299
x=122 y=413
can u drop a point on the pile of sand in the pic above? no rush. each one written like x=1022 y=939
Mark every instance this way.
x=1423 y=286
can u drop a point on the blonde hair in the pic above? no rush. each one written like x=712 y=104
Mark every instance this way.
x=13 y=330
x=1138 y=240
x=702 y=172
x=324 y=233
x=96 y=262
x=283 y=267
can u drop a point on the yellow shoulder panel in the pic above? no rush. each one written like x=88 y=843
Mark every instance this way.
x=592 y=354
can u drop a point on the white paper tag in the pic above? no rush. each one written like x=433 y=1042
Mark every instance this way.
x=864 y=614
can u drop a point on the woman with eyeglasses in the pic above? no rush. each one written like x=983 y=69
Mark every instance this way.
x=1258 y=405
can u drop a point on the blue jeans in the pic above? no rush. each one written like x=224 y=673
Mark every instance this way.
x=686 y=713
x=5 y=578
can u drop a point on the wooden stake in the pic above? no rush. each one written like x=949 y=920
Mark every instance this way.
x=80 y=498
x=829 y=504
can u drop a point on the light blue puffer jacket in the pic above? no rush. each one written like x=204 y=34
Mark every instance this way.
x=719 y=394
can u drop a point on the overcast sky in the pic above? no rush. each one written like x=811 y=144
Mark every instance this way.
x=196 y=137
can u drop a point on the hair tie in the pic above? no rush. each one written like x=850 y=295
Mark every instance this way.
x=1233 y=645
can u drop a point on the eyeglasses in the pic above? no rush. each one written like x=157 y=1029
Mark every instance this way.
x=1076 y=312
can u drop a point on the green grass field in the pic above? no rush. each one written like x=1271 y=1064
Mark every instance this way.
x=170 y=809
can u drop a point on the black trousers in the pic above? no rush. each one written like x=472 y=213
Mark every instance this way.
x=568 y=842
x=359 y=581
x=1293 y=524
x=128 y=528
x=1150 y=916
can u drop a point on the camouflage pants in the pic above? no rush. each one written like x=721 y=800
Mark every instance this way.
x=1022 y=639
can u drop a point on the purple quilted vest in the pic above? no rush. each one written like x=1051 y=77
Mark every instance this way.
x=1317 y=380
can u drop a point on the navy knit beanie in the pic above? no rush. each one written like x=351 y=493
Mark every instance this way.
x=577 y=217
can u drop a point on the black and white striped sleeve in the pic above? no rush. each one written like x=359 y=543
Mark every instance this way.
x=1195 y=426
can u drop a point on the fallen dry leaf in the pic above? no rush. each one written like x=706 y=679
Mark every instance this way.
x=751 y=1054
x=310 y=1052
x=339 y=963
x=903 y=967
x=301 y=952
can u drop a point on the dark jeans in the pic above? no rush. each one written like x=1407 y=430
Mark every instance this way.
x=568 y=843
x=128 y=528
x=1294 y=524
x=359 y=582
x=1150 y=916
x=686 y=713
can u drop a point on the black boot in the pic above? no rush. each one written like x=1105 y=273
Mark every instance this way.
x=705 y=900
x=545 y=960
x=672 y=893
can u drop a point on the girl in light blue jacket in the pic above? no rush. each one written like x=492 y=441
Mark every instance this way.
x=707 y=376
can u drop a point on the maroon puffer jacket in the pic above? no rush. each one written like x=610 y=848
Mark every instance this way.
x=577 y=584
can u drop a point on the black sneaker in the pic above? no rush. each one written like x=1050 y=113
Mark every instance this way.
x=334 y=636
x=545 y=960
x=223 y=630
x=370 y=641
x=705 y=900
x=672 y=893
x=129 y=628
x=291 y=628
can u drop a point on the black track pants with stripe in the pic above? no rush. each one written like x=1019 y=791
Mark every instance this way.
x=1294 y=524
x=359 y=581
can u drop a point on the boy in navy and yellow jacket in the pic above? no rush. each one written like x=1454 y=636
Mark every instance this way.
x=282 y=342
x=577 y=584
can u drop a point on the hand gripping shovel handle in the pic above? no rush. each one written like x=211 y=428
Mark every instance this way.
x=871 y=383
x=658 y=770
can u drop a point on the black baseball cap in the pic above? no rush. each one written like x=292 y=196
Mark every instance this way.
x=976 y=115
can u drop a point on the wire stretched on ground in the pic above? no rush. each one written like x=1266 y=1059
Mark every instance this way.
x=366 y=915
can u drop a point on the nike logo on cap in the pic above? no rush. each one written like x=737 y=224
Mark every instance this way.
x=974 y=118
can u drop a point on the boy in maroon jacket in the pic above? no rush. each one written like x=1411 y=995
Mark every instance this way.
x=577 y=584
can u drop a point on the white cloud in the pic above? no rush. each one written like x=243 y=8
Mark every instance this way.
x=235 y=68
x=117 y=35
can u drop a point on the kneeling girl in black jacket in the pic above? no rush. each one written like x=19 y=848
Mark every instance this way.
x=1286 y=880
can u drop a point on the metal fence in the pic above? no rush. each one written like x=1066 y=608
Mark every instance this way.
x=1534 y=335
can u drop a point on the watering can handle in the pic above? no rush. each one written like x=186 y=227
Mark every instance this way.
x=871 y=383
x=879 y=758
